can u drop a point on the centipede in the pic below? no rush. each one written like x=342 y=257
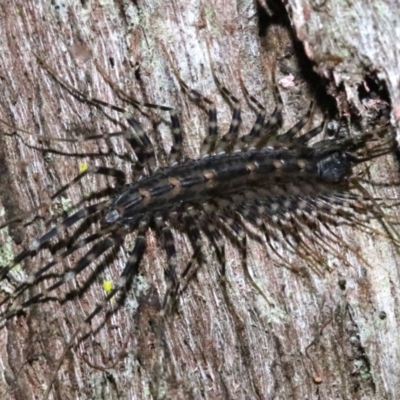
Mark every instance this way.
x=291 y=190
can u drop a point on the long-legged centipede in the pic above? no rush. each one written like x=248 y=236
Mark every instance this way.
x=293 y=188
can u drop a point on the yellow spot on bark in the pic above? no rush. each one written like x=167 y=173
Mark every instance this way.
x=108 y=286
x=83 y=167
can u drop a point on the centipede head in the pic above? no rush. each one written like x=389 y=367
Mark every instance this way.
x=338 y=156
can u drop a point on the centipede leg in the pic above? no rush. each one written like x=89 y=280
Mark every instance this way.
x=93 y=254
x=97 y=102
x=291 y=133
x=170 y=271
x=176 y=151
x=195 y=238
x=256 y=129
x=227 y=142
x=218 y=243
x=125 y=280
x=210 y=141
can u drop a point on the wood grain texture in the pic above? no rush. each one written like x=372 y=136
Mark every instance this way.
x=357 y=37
x=316 y=330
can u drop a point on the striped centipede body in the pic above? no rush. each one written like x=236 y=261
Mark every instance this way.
x=283 y=184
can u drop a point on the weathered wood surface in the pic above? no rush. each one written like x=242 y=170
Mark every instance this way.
x=347 y=338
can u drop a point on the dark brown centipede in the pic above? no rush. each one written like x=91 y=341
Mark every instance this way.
x=292 y=187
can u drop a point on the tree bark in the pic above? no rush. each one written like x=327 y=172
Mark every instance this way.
x=325 y=335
